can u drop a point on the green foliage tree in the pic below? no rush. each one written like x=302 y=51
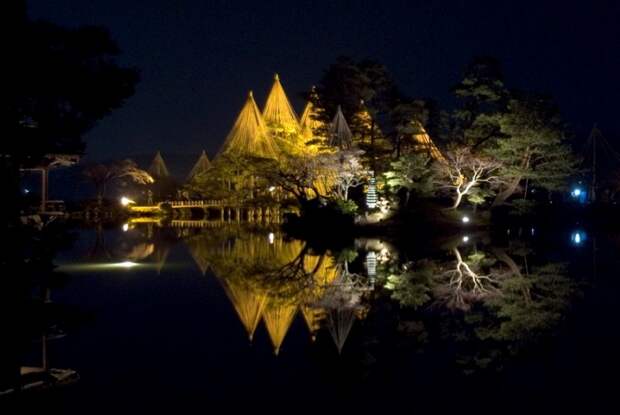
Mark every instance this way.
x=412 y=174
x=236 y=178
x=534 y=148
x=482 y=96
x=523 y=132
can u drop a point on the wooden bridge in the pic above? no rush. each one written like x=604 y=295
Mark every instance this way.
x=221 y=210
x=179 y=204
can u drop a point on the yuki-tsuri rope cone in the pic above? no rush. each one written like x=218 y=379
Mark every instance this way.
x=202 y=165
x=158 y=167
x=250 y=266
x=249 y=134
x=424 y=143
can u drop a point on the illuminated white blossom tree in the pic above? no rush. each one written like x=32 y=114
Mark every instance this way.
x=463 y=172
x=346 y=170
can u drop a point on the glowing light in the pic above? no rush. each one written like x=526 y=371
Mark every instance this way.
x=465 y=219
x=125 y=201
x=532 y=231
x=271 y=237
x=465 y=238
x=384 y=255
x=272 y=188
x=126 y=264
x=578 y=237
x=579 y=194
x=26 y=191
x=105 y=266
x=125 y=227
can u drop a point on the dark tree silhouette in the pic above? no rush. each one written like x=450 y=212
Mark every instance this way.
x=61 y=82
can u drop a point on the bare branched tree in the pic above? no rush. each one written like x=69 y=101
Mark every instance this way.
x=462 y=172
x=102 y=175
x=346 y=171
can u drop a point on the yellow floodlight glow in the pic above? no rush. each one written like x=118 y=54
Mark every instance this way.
x=126 y=264
x=125 y=201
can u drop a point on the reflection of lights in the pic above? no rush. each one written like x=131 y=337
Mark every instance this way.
x=371 y=264
x=579 y=194
x=106 y=266
x=465 y=238
x=578 y=237
x=384 y=205
x=465 y=219
x=126 y=264
x=271 y=237
x=125 y=201
x=125 y=227
x=384 y=255
x=271 y=188
x=371 y=194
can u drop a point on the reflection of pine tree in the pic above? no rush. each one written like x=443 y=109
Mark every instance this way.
x=490 y=305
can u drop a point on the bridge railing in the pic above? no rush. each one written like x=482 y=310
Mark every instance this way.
x=196 y=203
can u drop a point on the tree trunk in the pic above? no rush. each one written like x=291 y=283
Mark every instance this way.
x=457 y=201
x=502 y=196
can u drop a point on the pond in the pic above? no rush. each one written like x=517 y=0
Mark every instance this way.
x=166 y=318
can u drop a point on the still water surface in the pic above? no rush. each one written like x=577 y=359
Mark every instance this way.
x=173 y=318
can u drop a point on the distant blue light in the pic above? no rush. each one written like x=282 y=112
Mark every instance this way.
x=579 y=194
x=578 y=237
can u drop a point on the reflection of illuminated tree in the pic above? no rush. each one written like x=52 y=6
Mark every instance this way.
x=498 y=303
x=530 y=305
x=272 y=278
x=343 y=302
x=465 y=283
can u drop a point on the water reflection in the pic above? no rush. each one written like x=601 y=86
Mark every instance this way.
x=484 y=298
x=494 y=299
x=31 y=320
x=271 y=279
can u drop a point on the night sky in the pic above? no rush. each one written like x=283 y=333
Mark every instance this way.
x=199 y=58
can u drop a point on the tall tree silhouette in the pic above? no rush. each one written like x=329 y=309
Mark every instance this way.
x=61 y=82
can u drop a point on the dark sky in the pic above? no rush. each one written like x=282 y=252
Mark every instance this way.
x=199 y=58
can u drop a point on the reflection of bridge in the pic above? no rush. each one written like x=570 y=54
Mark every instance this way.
x=185 y=223
x=194 y=223
x=224 y=210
